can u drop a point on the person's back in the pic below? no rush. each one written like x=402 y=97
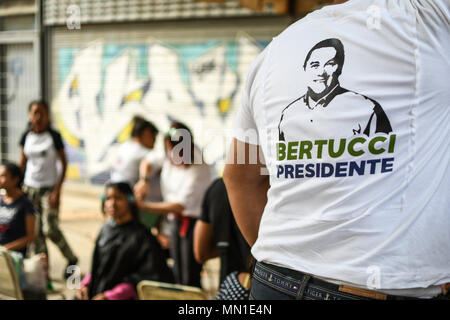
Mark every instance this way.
x=351 y=108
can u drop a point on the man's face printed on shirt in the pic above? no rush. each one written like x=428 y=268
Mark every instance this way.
x=320 y=69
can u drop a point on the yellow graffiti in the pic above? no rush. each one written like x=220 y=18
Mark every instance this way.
x=125 y=134
x=69 y=137
x=74 y=85
x=135 y=95
x=73 y=171
x=224 y=105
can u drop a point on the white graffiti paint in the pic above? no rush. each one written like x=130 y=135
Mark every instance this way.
x=97 y=100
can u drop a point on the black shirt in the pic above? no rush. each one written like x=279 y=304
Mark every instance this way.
x=12 y=219
x=126 y=253
x=233 y=250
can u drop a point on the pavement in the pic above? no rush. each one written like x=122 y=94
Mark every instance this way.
x=80 y=222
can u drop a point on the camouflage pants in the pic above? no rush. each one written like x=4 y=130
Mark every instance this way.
x=47 y=224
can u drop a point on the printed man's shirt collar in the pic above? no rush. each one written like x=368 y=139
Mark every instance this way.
x=323 y=101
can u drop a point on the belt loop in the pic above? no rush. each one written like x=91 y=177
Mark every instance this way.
x=301 y=290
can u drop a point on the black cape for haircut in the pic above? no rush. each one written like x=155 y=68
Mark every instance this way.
x=126 y=253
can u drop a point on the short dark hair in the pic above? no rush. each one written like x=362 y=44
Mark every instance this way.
x=39 y=102
x=125 y=189
x=14 y=171
x=174 y=139
x=329 y=43
x=141 y=124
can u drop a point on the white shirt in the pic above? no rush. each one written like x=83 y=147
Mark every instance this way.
x=186 y=185
x=40 y=151
x=126 y=166
x=373 y=210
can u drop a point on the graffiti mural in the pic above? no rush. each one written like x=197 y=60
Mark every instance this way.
x=103 y=85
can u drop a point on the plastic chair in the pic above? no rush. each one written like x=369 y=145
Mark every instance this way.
x=153 y=290
x=9 y=281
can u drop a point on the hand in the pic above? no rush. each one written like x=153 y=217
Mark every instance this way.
x=140 y=189
x=163 y=240
x=100 y=296
x=54 y=198
x=82 y=294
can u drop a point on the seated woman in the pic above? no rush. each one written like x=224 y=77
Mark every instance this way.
x=17 y=229
x=16 y=211
x=125 y=251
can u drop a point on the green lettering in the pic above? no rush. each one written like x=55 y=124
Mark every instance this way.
x=351 y=146
x=372 y=145
x=339 y=152
x=392 y=143
x=305 y=148
x=291 y=154
x=281 y=151
x=320 y=144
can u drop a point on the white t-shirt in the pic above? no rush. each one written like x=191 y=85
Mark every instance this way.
x=40 y=149
x=356 y=140
x=126 y=168
x=126 y=165
x=184 y=185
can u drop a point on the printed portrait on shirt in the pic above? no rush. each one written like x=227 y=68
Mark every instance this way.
x=322 y=68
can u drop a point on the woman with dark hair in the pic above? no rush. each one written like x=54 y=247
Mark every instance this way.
x=125 y=251
x=131 y=152
x=41 y=147
x=184 y=180
x=16 y=211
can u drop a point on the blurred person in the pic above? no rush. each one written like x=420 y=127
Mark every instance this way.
x=17 y=214
x=125 y=251
x=370 y=220
x=41 y=147
x=17 y=227
x=217 y=235
x=183 y=184
x=131 y=152
x=129 y=156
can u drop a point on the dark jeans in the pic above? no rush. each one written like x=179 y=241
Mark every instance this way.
x=271 y=282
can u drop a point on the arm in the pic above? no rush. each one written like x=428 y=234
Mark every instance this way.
x=55 y=196
x=23 y=160
x=247 y=189
x=204 y=247
x=27 y=239
x=161 y=207
x=141 y=187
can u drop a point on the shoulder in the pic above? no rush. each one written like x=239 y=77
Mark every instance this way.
x=27 y=204
x=57 y=139
x=23 y=137
x=357 y=99
x=297 y=101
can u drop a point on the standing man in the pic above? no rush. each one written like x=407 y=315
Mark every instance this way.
x=370 y=219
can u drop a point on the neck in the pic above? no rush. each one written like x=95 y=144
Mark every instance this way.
x=317 y=96
x=123 y=219
x=39 y=131
x=13 y=193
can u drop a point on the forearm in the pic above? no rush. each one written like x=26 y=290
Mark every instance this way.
x=162 y=207
x=60 y=181
x=145 y=169
x=19 y=244
x=247 y=191
x=204 y=245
